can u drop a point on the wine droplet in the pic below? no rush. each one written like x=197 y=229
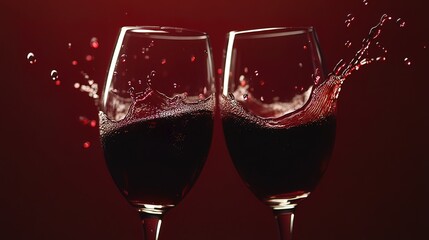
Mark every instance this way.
x=89 y=58
x=193 y=58
x=86 y=144
x=407 y=61
x=245 y=96
x=54 y=75
x=94 y=43
x=365 y=2
x=31 y=58
x=163 y=61
x=123 y=58
x=381 y=47
x=131 y=92
x=400 y=22
x=74 y=62
x=348 y=44
x=83 y=120
x=350 y=18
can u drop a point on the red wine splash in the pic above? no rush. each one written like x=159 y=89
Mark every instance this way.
x=343 y=70
x=325 y=94
x=324 y=97
x=85 y=84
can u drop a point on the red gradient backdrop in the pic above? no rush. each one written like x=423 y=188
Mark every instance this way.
x=376 y=186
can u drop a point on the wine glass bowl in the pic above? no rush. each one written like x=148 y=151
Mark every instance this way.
x=278 y=115
x=156 y=116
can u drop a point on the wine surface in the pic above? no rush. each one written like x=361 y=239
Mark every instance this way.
x=155 y=160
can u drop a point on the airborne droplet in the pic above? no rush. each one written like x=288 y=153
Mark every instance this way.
x=407 y=61
x=152 y=74
x=350 y=18
x=31 y=58
x=348 y=43
x=400 y=22
x=54 y=75
x=89 y=58
x=94 y=42
x=86 y=144
x=245 y=96
x=123 y=58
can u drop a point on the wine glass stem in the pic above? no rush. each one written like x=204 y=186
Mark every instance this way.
x=151 y=226
x=285 y=223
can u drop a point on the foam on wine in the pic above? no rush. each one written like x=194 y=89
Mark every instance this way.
x=157 y=151
x=151 y=104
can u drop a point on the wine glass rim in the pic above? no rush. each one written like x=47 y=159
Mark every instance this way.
x=271 y=32
x=166 y=32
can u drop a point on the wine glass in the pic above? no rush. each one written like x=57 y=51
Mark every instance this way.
x=156 y=117
x=278 y=115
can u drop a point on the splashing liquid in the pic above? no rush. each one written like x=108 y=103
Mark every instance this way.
x=31 y=58
x=343 y=70
x=324 y=97
x=304 y=131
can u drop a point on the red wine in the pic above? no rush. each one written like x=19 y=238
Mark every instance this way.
x=282 y=158
x=156 y=160
x=275 y=161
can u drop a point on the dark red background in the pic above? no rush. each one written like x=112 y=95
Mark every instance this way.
x=376 y=186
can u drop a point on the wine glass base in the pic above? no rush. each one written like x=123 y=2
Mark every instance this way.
x=285 y=202
x=152 y=209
